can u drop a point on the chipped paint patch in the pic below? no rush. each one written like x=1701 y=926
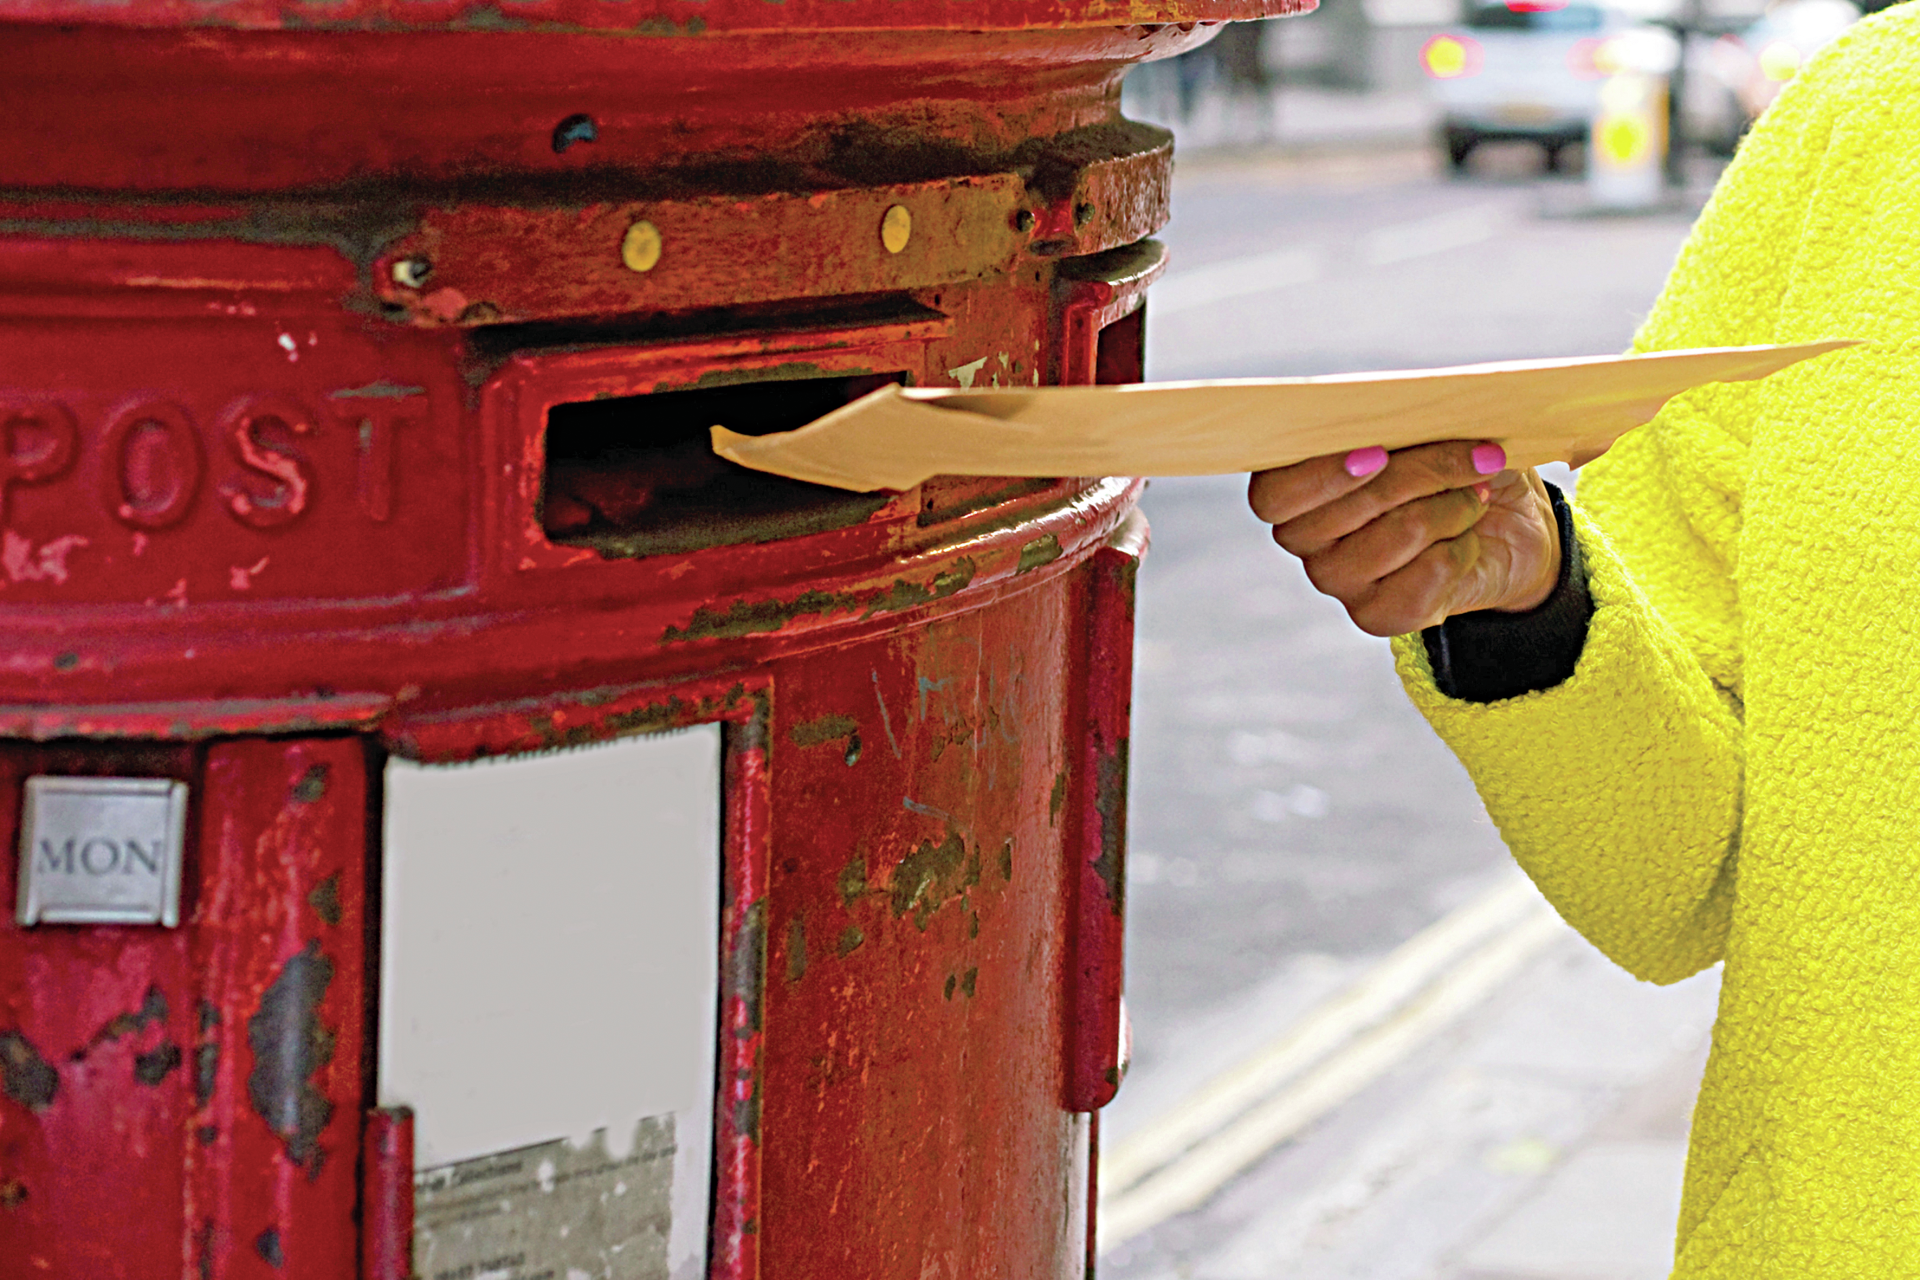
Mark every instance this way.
x=965 y=374
x=25 y=562
x=290 y=1046
x=25 y=1076
x=931 y=875
x=152 y=1012
x=852 y=882
x=1110 y=803
x=206 y=1071
x=240 y=577
x=312 y=786
x=382 y=389
x=324 y=898
x=157 y=1064
x=823 y=730
x=1041 y=551
x=755 y=617
x=747 y=966
x=206 y=1061
x=796 y=950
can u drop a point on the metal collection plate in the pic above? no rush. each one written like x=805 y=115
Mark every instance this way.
x=101 y=851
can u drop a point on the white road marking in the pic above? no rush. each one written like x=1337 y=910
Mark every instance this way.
x=1260 y=273
x=1176 y=1163
x=1425 y=237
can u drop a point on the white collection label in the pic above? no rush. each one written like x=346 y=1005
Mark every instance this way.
x=101 y=850
x=549 y=1007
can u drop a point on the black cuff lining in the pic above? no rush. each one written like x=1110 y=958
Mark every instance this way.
x=1489 y=655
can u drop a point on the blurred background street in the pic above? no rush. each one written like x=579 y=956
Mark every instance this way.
x=1362 y=1046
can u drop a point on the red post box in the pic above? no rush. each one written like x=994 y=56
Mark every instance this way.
x=356 y=360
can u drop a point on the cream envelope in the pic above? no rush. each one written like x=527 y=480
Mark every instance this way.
x=1540 y=410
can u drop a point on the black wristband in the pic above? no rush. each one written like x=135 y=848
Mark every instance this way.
x=1489 y=655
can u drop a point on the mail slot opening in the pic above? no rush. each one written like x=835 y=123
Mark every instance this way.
x=637 y=476
x=1120 y=352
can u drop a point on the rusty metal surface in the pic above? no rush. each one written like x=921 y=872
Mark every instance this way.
x=278 y=937
x=361 y=523
x=346 y=135
x=206 y=1081
x=740 y=1194
x=386 y=1194
x=97 y=1031
x=920 y=882
x=648 y=18
x=315 y=387
x=1099 y=790
x=488 y=264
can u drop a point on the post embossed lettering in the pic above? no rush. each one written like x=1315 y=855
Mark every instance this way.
x=261 y=432
x=37 y=444
x=153 y=465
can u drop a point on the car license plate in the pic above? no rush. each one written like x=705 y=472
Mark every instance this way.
x=1526 y=113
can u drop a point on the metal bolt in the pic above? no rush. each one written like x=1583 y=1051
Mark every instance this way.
x=896 y=228
x=1082 y=214
x=1023 y=220
x=411 y=273
x=640 y=250
x=575 y=128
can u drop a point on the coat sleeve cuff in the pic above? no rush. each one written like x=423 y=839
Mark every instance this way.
x=1489 y=656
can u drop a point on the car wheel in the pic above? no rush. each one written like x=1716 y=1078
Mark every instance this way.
x=1459 y=145
x=1562 y=154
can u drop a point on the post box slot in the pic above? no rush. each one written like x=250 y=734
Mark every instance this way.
x=1120 y=352
x=636 y=475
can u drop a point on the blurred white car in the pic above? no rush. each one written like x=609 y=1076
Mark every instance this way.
x=1532 y=69
x=1752 y=64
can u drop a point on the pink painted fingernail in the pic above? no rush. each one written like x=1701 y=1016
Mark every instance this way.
x=1489 y=458
x=1483 y=491
x=1364 y=462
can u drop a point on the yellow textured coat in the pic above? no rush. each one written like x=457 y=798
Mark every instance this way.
x=1733 y=771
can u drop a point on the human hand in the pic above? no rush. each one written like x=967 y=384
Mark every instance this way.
x=1407 y=539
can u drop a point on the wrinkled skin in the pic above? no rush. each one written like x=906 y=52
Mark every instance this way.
x=1426 y=536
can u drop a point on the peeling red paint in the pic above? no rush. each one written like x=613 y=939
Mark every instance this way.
x=292 y=500
x=1095 y=1062
x=277 y=1086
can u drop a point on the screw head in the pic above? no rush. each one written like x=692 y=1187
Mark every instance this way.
x=896 y=228
x=411 y=273
x=641 y=247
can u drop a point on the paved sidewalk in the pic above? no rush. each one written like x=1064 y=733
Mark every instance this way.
x=1541 y=1138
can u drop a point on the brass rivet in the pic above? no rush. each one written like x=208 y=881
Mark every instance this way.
x=640 y=250
x=411 y=273
x=896 y=228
